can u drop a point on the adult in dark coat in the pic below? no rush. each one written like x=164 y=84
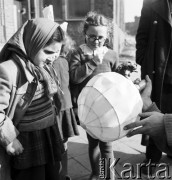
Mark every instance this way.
x=155 y=124
x=153 y=53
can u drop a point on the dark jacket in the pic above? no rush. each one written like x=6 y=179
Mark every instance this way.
x=83 y=68
x=62 y=70
x=153 y=43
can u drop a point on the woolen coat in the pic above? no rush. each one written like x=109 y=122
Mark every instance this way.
x=16 y=77
x=164 y=143
x=153 y=43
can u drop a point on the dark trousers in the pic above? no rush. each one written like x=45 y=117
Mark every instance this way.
x=45 y=172
x=152 y=152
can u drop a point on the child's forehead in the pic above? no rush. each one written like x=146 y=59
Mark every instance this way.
x=54 y=46
x=97 y=29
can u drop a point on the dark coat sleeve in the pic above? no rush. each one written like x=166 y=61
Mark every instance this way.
x=80 y=67
x=164 y=142
x=142 y=36
x=62 y=70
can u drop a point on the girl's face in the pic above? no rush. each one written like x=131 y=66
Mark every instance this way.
x=47 y=54
x=96 y=36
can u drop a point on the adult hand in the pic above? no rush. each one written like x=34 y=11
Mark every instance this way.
x=146 y=93
x=152 y=125
x=14 y=148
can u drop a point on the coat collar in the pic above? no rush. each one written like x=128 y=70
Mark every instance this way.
x=28 y=74
x=163 y=9
x=26 y=70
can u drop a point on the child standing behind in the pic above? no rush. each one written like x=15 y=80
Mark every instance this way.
x=88 y=60
x=67 y=122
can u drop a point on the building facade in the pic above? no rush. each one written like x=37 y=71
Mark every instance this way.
x=15 y=12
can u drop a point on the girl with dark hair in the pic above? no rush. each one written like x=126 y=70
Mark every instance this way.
x=88 y=60
x=28 y=116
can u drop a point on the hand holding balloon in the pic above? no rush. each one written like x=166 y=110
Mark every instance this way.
x=106 y=104
x=152 y=124
x=98 y=55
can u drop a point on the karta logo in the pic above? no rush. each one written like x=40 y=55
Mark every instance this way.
x=130 y=171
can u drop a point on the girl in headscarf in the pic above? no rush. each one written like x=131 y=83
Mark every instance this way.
x=28 y=112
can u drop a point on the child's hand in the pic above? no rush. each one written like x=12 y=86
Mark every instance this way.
x=98 y=55
x=14 y=148
x=98 y=59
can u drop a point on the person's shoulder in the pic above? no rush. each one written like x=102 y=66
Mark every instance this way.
x=77 y=52
x=150 y=2
x=9 y=69
x=61 y=59
x=9 y=65
x=112 y=53
x=60 y=62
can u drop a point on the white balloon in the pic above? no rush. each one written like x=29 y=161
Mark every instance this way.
x=106 y=104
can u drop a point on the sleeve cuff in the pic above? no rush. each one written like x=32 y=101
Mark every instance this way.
x=8 y=132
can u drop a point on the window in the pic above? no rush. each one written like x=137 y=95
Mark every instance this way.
x=57 y=8
x=77 y=9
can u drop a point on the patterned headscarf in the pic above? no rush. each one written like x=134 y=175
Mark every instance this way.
x=30 y=38
x=27 y=42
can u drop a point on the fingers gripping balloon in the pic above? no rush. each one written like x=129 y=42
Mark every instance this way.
x=106 y=104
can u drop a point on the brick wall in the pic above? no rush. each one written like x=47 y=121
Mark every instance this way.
x=9 y=18
x=6 y=21
x=74 y=28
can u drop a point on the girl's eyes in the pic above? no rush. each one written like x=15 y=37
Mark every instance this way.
x=50 y=52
